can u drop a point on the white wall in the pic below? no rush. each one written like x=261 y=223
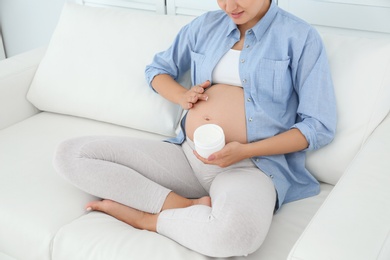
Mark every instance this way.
x=27 y=24
x=367 y=15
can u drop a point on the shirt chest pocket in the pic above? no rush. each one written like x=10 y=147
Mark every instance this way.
x=197 y=61
x=272 y=80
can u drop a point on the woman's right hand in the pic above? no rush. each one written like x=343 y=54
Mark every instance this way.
x=193 y=95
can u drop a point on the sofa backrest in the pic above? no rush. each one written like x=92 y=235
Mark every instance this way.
x=94 y=68
x=360 y=67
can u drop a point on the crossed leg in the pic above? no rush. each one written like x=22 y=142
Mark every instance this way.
x=140 y=219
x=122 y=170
x=151 y=185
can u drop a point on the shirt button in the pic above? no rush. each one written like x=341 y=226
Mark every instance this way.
x=271 y=176
x=250 y=32
x=242 y=61
x=244 y=81
x=257 y=160
x=249 y=99
x=250 y=119
x=247 y=46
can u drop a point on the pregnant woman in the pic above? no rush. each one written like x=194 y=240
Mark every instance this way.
x=259 y=73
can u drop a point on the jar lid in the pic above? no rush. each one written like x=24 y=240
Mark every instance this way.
x=209 y=135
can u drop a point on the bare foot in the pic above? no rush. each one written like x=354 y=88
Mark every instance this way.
x=131 y=216
x=140 y=219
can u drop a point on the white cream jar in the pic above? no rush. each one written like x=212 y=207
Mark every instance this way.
x=208 y=139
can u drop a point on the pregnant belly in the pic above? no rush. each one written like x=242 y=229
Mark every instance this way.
x=224 y=107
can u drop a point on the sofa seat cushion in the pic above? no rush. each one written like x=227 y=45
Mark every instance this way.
x=35 y=201
x=44 y=214
x=99 y=236
x=6 y=257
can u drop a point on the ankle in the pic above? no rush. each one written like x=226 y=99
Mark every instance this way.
x=147 y=222
x=174 y=201
x=206 y=201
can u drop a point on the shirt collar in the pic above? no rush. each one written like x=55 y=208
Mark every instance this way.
x=261 y=27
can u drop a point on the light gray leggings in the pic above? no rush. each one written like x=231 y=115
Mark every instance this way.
x=140 y=174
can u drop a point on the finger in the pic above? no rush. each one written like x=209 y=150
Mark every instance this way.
x=199 y=89
x=211 y=157
x=204 y=97
x=205 y=84
x=199 y=157
x=193 y=98
x=198 y=96
x=208 y=160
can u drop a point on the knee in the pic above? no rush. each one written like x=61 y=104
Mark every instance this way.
x=65 y=156
x=237 y=236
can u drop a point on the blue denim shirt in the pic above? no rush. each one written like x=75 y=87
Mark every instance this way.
x=286 y=80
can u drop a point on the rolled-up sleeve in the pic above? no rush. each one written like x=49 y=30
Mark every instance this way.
x=316 y=111
x=176 y=60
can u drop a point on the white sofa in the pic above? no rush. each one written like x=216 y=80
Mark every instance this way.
x=90 y=81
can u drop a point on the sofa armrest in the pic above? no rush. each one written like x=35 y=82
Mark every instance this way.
x=16 y=74
x=353 y=223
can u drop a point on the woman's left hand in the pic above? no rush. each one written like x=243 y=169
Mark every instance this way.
x=231 y=153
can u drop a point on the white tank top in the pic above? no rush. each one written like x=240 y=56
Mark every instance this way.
x=227 y=69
